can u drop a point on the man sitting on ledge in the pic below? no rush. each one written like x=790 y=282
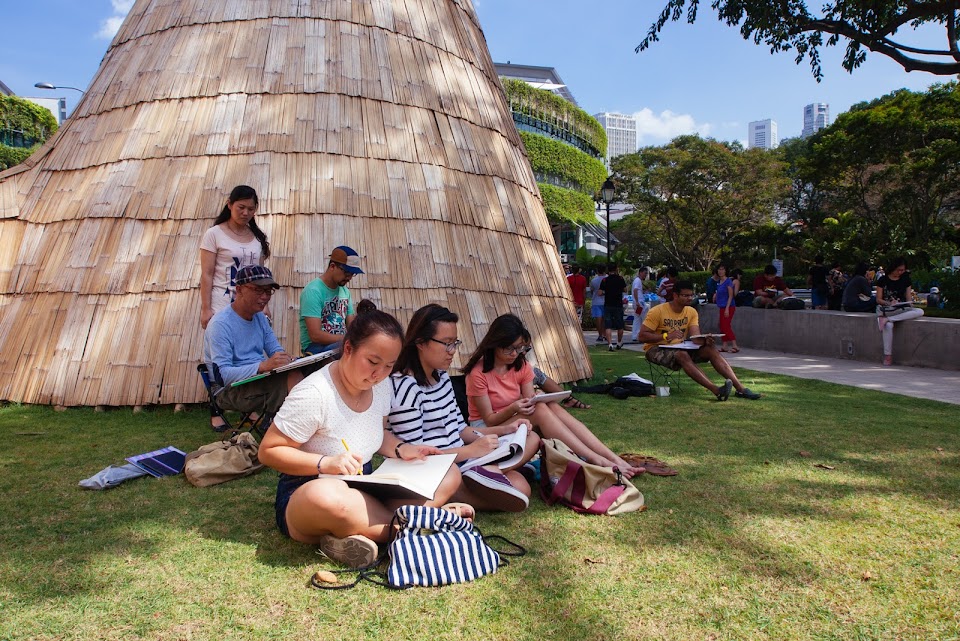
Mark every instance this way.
x=767 y=288
x=672 y=323
x=239 y=343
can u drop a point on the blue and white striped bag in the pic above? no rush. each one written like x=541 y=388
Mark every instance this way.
x=436 y=547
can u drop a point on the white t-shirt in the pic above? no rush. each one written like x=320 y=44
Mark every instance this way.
x=231 y=256
x=637 y=286
x=314 y=414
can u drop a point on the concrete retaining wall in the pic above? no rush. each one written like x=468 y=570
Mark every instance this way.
x=923 y=342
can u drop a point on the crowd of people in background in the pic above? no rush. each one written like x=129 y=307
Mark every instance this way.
x=389 y=391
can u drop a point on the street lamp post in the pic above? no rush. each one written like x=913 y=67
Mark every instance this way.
x=50 y=85
x=606 y=194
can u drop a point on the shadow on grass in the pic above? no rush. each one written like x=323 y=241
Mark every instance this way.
x=740 y=469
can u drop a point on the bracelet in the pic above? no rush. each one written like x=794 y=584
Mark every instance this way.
x=319 y=461
x=396 y=450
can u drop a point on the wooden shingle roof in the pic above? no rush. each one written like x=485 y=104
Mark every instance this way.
x=374 y=123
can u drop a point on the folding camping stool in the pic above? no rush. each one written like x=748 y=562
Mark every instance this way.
x=664 y=376
x=214 y=384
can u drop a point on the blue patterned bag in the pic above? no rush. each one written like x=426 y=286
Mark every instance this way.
x=437 y=547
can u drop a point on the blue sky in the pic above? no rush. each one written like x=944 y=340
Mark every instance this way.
x=699 y=78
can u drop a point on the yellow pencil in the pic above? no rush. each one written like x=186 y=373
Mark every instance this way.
x=347 y=448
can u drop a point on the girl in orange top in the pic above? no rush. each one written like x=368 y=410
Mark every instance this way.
x=500 y=388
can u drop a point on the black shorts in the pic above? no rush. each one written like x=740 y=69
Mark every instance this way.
x=613 y=317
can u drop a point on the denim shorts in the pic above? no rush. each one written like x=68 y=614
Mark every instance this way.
x=596 y=311
x=289 y=484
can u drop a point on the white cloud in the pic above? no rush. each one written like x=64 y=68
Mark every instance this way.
x=660 y=128
x=110 y=27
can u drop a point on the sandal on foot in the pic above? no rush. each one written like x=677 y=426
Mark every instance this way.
x=575 y=404
x=734 y=350
x=653 y=466
x=463 y=510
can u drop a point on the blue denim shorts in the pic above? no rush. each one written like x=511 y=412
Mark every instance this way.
x=286 y=486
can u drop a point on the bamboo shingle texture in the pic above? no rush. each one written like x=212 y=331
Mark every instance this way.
x=379 y=124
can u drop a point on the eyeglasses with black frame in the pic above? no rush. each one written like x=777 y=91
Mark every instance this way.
x=449 y=347
x=512 y=350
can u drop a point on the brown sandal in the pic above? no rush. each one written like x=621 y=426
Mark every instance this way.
x=652 y=465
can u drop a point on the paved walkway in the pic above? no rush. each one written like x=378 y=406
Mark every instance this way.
x=919 y=382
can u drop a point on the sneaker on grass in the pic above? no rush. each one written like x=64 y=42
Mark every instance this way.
x=724 y=392
x=497 y=482
x=354 y=551
x=747 y=393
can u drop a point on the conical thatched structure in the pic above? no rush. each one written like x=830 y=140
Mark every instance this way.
x=375 y=123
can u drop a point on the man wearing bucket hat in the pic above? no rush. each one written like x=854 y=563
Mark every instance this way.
x=326 y=307
x=239 y=343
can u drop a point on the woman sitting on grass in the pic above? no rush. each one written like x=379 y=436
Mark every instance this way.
x=343 y=406
x=425 y=411
x=500 y=389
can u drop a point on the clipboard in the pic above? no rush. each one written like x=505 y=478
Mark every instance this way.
x=296 y=364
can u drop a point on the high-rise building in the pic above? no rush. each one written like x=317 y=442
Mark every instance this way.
x=763 y=134
x=816 y=116
x=621 y=133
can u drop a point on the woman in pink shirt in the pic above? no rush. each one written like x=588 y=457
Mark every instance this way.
x=500 y=388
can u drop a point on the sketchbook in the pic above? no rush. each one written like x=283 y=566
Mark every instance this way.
x=398 y=479
x=508 y=453
x=295 y=364
x=706 y=336
x=163 y=462
x=552 y=396
x=682 y=345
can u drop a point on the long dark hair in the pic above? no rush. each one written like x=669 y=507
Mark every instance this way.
x=245 y=192
x=422 y=327
x=365 y=326
x=504 y=330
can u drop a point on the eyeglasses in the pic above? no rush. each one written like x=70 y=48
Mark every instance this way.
x=265 y=290
x=513 y=350
x=449 y=347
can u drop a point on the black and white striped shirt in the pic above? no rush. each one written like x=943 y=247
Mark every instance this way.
x=428 y=415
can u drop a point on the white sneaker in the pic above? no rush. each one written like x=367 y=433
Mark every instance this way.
x=496 y=481
x=355 y=551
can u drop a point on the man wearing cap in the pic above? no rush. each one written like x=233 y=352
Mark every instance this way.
x=325 y=304
x=239 y=343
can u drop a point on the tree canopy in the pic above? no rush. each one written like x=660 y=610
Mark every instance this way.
x=884 y=178
x=27 y=123
x=792 y=25
x=693 y=195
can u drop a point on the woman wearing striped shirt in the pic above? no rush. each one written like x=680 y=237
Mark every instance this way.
x=424 y=411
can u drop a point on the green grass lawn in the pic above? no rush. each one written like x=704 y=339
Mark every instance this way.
x=750 y=541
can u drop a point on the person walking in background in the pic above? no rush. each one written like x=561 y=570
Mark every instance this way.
x=893 y=288
x=817 y=282
x=712 y=284
x=597 y=302
x=665 y=290
x=578 y=287
x=858 y=293
x=639 y=302
x=836 y=280
x=613 y=287
x=232 y=243
x=727 y=292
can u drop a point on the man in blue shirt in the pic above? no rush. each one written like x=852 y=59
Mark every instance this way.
x=239 y=343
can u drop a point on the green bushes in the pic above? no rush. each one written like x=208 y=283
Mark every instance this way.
x=552 y=157
x=567 y=205
x=549 y=107
x=10 y=156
